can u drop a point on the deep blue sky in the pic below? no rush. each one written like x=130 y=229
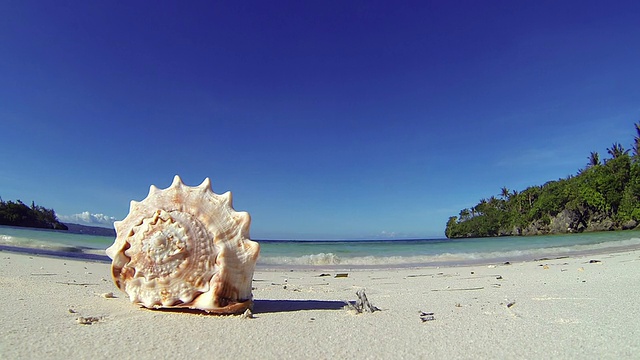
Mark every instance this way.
x=326 y=119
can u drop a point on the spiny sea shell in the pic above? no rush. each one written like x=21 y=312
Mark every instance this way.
x=185 y=247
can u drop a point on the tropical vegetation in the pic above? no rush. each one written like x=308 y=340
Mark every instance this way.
x=605 y=195
x=19 y=214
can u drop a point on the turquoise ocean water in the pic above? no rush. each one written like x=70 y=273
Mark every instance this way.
x=365 y=253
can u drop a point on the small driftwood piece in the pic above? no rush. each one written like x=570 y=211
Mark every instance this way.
x=362 y=303
x=72 y=283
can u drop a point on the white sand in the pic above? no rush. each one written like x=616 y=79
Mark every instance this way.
x=569 y=308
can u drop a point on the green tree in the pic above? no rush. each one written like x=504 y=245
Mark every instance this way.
x=594 y=159
x=636 y=143
x=505 y=193
x=465 y=214
x=616 y=150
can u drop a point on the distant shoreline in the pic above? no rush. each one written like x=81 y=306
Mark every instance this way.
x=90 y=230
x=73 y=229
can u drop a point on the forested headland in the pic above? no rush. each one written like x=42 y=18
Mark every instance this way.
x=19 y=214
x=605 y=195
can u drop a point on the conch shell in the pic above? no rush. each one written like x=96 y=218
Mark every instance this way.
x=185 y=247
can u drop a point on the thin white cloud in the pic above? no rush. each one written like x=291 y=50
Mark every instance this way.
x=387 y=234
x=87 y=218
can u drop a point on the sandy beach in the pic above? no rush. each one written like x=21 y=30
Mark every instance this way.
x=562 y=308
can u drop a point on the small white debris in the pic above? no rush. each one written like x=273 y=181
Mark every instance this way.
x=247 y=314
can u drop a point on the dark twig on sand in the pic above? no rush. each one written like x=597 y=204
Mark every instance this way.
x=72 y=283
x=427 y=316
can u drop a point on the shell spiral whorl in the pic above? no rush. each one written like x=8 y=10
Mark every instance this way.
x=185 y=247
